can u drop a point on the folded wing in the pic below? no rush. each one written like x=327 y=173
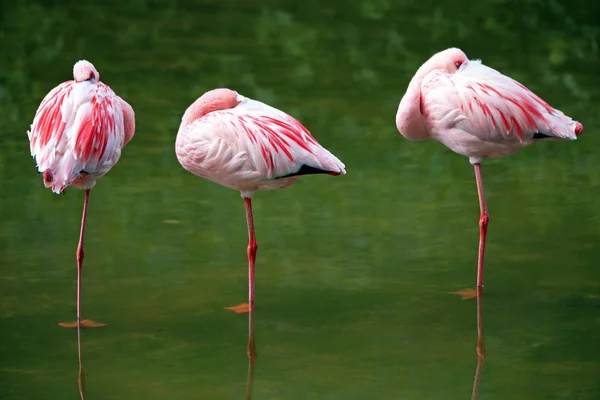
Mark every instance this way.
x=78 y=128
x=255 y=141
x=485 y=103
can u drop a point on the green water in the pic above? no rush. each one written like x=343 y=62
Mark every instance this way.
x=353 y=272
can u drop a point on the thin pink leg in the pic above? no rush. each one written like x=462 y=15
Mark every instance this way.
x=252 y=247
x=86 y=323
x=481 y=353
x=251 y=342
x=480 y=334
x=251 y=356
x=80 y=255
x=81 y=374
x=484 y=219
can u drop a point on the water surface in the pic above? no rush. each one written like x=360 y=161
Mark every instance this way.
x=353 y=272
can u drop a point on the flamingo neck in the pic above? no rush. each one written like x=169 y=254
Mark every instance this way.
x=409 y=119
x=214 y=100
x=197 y=110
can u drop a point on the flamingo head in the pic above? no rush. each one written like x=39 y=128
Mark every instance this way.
x=84 y=71
x=449 y=60
x=578 y=128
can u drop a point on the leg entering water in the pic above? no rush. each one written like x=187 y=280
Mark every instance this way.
x=484 y=219
x=252 y=247
x=86 y=323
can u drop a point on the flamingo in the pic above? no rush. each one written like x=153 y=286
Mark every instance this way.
x=479 y=113
x=76 y=137
x=246 y=145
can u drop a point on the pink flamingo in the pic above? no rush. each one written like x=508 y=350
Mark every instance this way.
x=76 y=137
x=247 y=146
x=479 y=113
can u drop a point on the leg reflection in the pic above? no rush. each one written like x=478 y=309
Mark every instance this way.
x=251 y=355
x=480 y=345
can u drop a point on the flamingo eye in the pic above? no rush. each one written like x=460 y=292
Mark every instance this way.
x=458 y=64
x=92 y=76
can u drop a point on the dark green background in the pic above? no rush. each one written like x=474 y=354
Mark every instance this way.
x=353 y=272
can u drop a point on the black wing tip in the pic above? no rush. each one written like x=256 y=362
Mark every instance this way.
x=37 y=167
x=308 y=170
x=539 y=135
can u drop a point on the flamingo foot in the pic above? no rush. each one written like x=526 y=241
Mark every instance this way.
x=468 y=293
x=85 y=323
x=240 y=308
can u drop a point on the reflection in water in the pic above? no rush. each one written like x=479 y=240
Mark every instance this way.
x=480 y=344
x=81 y=374
x=251 y=355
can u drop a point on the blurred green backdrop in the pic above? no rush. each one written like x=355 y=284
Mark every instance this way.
x=353 y=272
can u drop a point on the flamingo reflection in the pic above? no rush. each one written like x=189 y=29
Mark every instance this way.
x=480 y=345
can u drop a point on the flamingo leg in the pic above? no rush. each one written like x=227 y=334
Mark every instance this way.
x=484 y=219
x=252 y=247
x=251 y=356
x=480 y=347
x=85 y=323
x=481 y=353
x=81 y=374
x=251 y=342
x=80 y=254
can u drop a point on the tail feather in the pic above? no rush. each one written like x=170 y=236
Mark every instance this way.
x=559 y=126
x=329 y=163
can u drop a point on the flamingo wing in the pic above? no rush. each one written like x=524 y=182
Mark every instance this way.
x=46 y=132
x=255 y=141
x=98 y=131
x=485 y=103
x=78 y=128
